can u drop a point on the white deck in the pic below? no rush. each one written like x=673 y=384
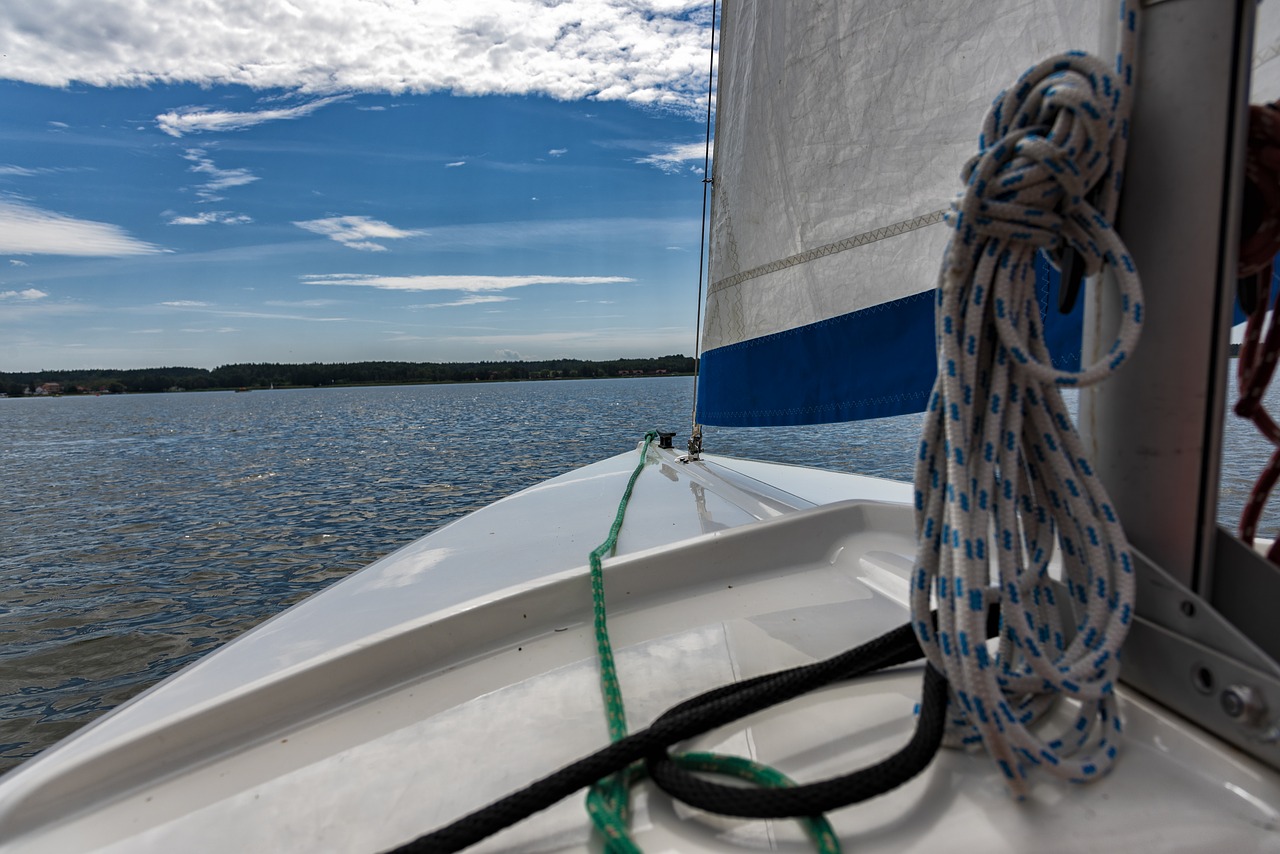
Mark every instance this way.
x=462 y=667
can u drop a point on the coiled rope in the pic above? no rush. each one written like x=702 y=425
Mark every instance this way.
x=1259 y=245
x=1002 y=470
x=716 y=708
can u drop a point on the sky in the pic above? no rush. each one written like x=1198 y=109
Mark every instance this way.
x=348 y=180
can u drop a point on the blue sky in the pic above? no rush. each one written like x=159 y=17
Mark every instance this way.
x=343 y=181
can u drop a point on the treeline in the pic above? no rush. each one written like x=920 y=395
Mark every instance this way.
x=266 y=375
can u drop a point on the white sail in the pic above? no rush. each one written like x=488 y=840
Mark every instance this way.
x=841 y=130
x=1266 y=54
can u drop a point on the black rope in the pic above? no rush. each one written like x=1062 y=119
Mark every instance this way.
x=816 y=798
x=716 y=708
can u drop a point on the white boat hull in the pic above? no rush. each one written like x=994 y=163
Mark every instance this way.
x=462 y=667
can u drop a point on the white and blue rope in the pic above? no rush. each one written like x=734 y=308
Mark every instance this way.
x=1002 y=472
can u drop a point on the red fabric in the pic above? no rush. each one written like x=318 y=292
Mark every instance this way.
x=1259 y=349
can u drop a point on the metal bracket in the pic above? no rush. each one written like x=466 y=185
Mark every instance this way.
x=1246 y=592
x=1186 y=655
x=695 y=445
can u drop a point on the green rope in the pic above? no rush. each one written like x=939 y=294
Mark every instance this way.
x=609 y=800
x=817 y=826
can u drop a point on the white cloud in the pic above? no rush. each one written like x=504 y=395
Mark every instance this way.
x=542 y=233
x=643 y=51
x=674 y=158
x=455 y=164
x=507 y=355
x=302 y=303
x=28 y=230
x=146 y=331
x=556 y=152
x=24 y=310
x=474 y=299
x=26 y=172
x=59 y=125
x=356 y=232
x=208 y=217
x=16 y=263
x=260 y=315
x=187 y=120
x=28 y=294
x=186 y=303
x=219 y=179
x=469 y=284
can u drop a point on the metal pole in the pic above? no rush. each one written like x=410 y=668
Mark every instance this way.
x=1156 y=427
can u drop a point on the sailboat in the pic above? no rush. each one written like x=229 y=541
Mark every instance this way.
x=466 y=666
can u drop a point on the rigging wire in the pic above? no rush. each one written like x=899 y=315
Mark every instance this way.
x=1002 y=472
x=704 y=263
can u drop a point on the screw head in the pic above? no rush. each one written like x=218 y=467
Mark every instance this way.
x=1243 y=703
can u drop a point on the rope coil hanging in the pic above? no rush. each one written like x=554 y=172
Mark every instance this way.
x=1259 y=245
x=1002 y=472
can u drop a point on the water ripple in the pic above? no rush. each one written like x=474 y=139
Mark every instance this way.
x=141 y=532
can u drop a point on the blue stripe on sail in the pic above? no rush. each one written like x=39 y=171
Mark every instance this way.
x=872 y=363
x=866 y=364
x=1062 y=332
x=1237 y=313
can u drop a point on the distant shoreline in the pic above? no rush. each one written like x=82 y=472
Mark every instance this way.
x=266 y=376
x=354 y=385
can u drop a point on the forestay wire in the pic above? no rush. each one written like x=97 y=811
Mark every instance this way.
x=1002 y=470
x=704 y=263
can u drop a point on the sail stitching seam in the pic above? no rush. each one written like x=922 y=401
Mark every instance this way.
x=863 y=239
x=1266 y=55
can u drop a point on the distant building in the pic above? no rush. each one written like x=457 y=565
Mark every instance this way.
x=49 y=388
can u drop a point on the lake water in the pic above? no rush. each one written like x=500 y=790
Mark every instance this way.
x=140 y=532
